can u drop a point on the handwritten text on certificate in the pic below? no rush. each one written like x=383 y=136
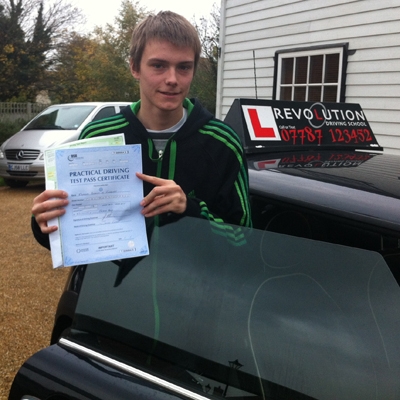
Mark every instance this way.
x=102 y=220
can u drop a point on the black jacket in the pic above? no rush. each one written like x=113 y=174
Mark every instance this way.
x=205 y=157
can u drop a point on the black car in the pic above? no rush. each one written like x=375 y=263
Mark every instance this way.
x=304 y=305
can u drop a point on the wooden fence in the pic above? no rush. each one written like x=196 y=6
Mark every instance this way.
x=15 y=111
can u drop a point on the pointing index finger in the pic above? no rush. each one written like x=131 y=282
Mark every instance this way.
x=151 y=179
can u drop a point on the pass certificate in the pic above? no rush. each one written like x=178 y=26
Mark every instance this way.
x=51 y=182
x=102 y=221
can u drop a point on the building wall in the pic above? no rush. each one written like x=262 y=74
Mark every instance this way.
x=253 y=30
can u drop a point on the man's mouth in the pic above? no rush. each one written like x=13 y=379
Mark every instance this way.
x=169 y=93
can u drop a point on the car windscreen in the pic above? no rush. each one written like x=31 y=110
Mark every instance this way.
x=248 y=314
x=65 y=117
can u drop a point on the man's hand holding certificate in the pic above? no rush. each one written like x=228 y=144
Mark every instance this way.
x=103 y=219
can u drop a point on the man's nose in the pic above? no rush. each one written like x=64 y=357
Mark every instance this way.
x=171 y=76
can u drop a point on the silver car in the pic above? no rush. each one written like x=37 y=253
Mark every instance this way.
x=22 y=155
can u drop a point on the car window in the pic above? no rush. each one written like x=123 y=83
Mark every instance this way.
x=104 y=113
x=61 y=117
x=293 y=220
x=266 y=315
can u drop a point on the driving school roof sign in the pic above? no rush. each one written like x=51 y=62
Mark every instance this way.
x=271 y=124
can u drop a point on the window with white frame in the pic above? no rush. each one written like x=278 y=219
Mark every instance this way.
x=310 y=75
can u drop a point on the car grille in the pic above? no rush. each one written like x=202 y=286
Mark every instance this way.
x=22 y=155
x=22 y=173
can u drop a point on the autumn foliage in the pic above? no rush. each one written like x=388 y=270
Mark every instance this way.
x=43 y=50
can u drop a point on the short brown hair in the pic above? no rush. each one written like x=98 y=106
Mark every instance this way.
x=166 y=25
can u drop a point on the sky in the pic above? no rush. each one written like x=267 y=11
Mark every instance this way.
x=99 y=12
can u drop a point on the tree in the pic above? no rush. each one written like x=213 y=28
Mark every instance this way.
x=37 y=60
x=58 y=16
x=204 y=85
x=89 y=70
x=95 y=67
x=12 y=51
x=120 y=35
x=26 y=44
x=69 y=77
x=39 y=50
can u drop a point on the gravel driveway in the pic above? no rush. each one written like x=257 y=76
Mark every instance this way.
x=29 y=287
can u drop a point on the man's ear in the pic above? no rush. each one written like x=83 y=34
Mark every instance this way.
x=134 y=71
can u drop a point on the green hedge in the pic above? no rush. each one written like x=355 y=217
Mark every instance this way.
x=8 y=128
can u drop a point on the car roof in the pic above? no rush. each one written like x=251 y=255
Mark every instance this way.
x=352 y=180
x=91 y=103
x=367 y=192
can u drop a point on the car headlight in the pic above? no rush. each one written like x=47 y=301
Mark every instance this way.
x=1 y=154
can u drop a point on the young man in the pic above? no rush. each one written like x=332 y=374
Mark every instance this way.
x=193 y=164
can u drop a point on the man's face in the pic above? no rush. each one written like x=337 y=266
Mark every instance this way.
x=165 y=75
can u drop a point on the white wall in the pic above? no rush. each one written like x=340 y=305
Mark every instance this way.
x=372 y=29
